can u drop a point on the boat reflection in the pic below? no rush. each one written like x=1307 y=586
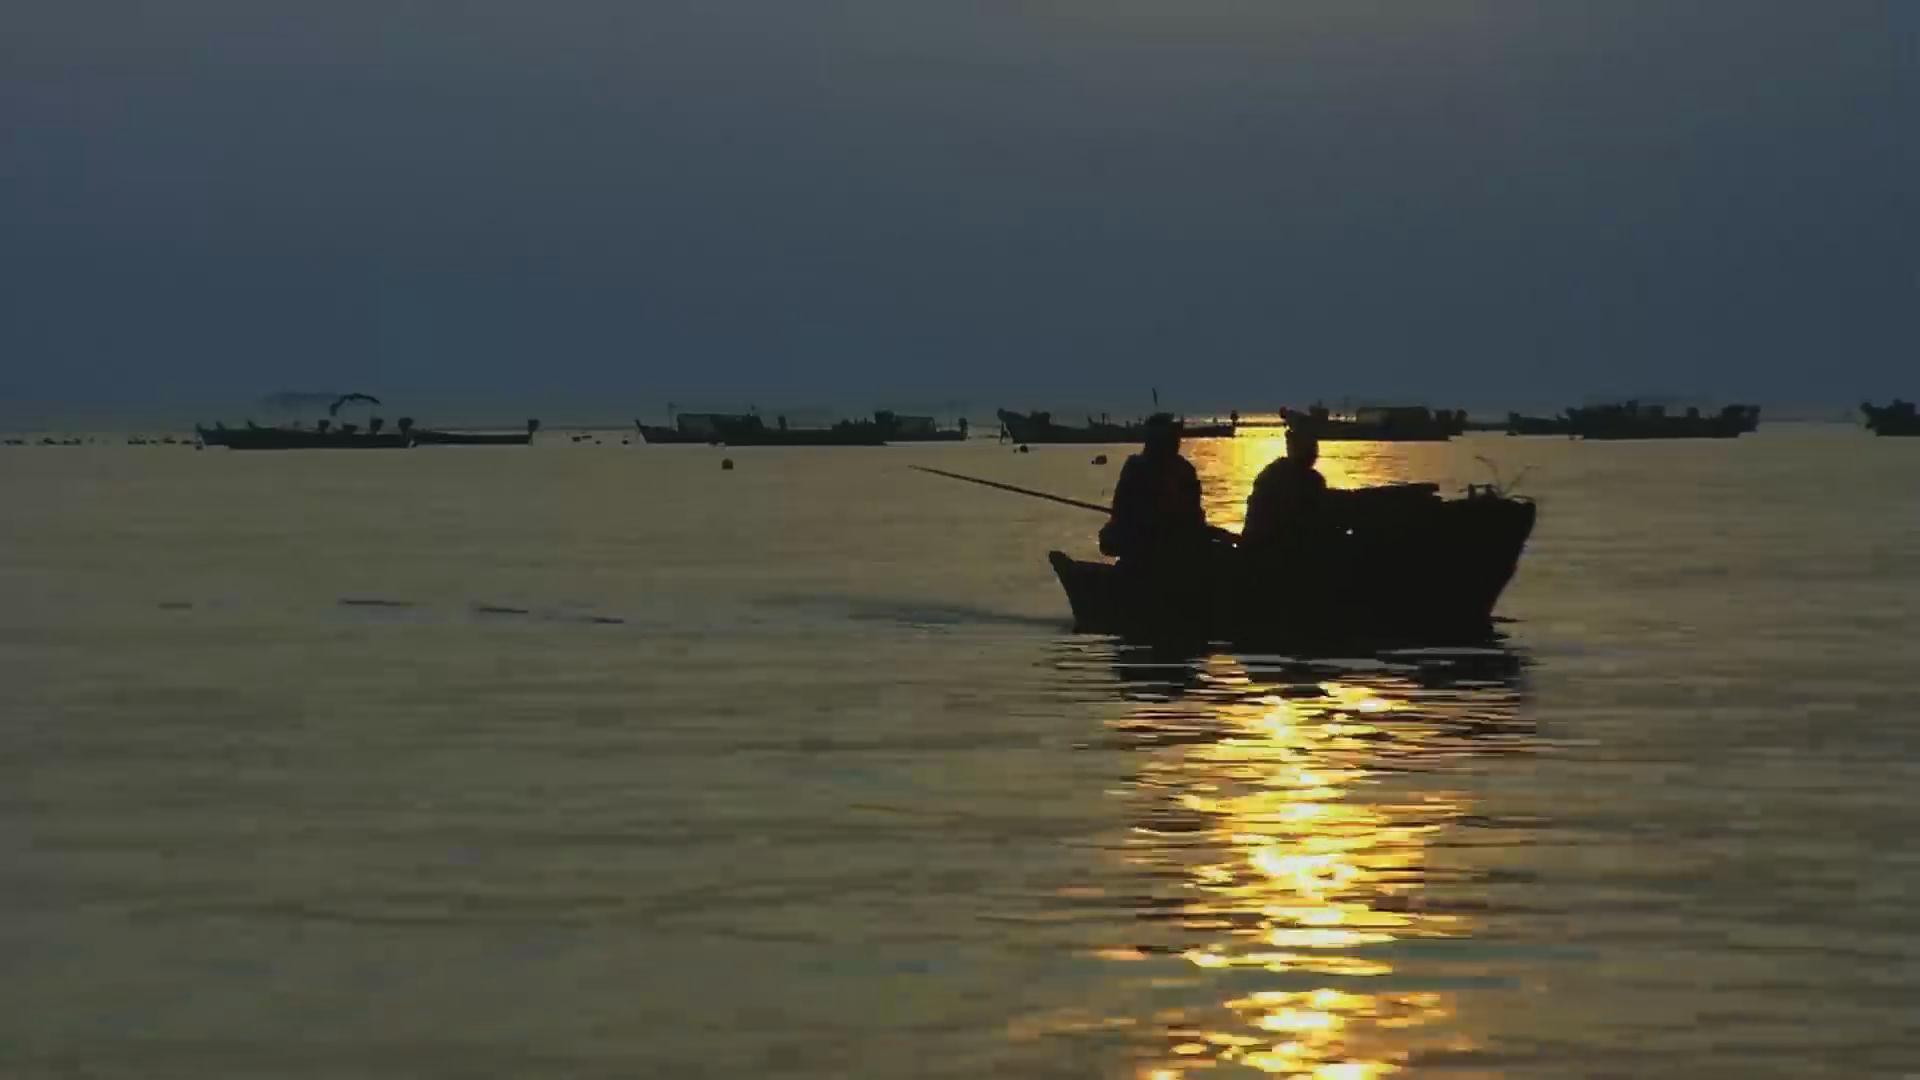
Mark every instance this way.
x=1294 y=838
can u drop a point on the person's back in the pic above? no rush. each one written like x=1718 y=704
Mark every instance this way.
x=1285 y=495
x=1156 y=502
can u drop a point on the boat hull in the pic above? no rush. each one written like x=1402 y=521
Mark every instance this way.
x=1407 y=570
x=470 y=438
x=1039 y=429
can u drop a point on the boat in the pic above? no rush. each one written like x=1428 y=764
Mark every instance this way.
x=1897 y=418
x=1038 y=427
x=1379 y=423
x=902 y=428
x=678 y=432
x=1399 y=563
x=1538 y=425
x=753 y=431
x=322 y=436
x=748 y=429
x=1638 y=420
x=429 y=437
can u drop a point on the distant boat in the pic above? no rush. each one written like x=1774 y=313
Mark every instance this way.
x=425 y=437
x=753 y=431
x=1379 y=423
x=1538 y=425
x=748 y=429
x=1039 y=428
x=687 y=429
x=900 y=428
x=322 y=436
x=1897 y=418
x=1634 y=420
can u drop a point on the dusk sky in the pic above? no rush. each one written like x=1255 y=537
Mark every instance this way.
x=1050 y=202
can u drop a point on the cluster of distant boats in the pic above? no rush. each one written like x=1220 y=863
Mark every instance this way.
x=1418 y=423
x=327 y=435
x=1410 y=423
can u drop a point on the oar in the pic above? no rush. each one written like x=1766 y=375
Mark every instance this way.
x=1095 y=507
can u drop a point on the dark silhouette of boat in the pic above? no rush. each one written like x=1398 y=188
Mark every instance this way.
x=1038 y=427
x=1897 y=418
x=1379 y=423
x=1637 y=420
x=752 y=431
x=748 y=429
x=1538 y=425
x=1397 y=563
x=901 y=428
x=324 y=435
x=428 y=437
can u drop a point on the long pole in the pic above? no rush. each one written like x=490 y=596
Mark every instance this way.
x=1095 y=507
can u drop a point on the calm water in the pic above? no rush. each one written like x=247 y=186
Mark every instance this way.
x=597 y=761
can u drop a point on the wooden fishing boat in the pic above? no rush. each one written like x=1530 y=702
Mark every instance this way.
x=1396 y=564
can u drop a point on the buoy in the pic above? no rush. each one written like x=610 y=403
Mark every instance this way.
x=726 y=464
x=1100 y=459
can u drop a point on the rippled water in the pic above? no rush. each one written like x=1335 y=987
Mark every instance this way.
x=597 y=761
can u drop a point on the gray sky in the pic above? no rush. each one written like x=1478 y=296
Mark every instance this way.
x=1248 y=202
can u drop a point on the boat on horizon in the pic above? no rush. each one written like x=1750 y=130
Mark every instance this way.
x=430 y=437
x=1639 y=420
x=1379 y=423
x=1897 y=418
x=1398 y=563
x=749 y=429
x=324 y=435
x=1038 y=428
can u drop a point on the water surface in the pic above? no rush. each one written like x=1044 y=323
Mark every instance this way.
x=597 y=761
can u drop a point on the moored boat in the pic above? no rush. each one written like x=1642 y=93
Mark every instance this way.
x=1039 y=428
x=322 y=436
x=429 y=437
x=1640 y=420
x=1898 y=418
x=902 y=428
x=748 y=429
x=1376 y=564
x=1538 y=425
x=1379 y=423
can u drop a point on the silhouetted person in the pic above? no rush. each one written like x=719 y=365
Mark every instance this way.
x=1156 y=503
x=1286 y=494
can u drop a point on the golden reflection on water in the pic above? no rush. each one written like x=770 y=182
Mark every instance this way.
x=1227 y=468
x=1295 y=868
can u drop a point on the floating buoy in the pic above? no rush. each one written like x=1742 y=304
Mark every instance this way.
x=1100 y=459
x=726 y=464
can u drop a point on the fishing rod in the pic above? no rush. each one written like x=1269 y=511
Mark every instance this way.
x=1220 y=534
x=1095 y=507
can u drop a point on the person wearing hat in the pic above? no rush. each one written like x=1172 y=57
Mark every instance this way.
x=1157 y=515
